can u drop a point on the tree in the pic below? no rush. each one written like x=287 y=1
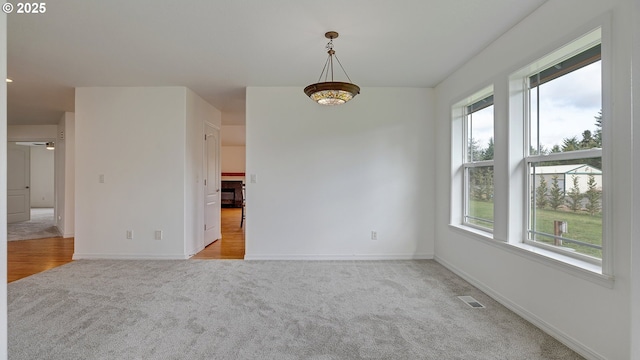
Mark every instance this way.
x=486 y=187
x=541 y=194
x=598 y=133
x=587 y=141
x=556 y=198
x=487 y=154
x=570 y=144
x=574 y=195
x=474 y=152
x=593 y=196
x=481 y=183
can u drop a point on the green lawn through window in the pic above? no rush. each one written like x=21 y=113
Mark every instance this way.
x=581 y=226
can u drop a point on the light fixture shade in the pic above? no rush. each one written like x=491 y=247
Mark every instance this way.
x=50 y=146
x=332 y=92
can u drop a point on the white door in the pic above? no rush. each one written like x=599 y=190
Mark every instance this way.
x=211 y=185
x=18 y=176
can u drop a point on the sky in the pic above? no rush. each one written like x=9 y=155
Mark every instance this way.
x=568 y=106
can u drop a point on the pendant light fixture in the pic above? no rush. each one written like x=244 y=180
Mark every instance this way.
x=329 y=92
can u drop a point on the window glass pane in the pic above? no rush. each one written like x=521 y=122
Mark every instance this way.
x=480 y=135
x=569 y=192
x=479 y=189
x=533 y=132
x=565 y=111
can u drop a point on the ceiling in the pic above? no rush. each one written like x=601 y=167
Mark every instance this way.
x=218 y=48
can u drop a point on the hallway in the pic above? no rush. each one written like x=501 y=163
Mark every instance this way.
x=28 y=257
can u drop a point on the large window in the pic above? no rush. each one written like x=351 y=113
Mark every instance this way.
x=478 y=164
x=564 y=157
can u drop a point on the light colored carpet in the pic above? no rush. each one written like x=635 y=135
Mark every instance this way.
x=204 y=309
x=41 y=225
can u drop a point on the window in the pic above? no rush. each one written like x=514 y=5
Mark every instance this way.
x=478 y=164
x=564 y=155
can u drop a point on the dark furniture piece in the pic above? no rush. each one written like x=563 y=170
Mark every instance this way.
x=231 y=194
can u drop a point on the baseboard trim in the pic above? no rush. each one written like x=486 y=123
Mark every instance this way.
x=567 y=340
x=81 y=256
x=311 y=257
x=64 y=235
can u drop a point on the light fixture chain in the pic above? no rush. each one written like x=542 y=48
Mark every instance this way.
x=343 y=70
x=324 y=68
x=331 y=65
x=329 y=45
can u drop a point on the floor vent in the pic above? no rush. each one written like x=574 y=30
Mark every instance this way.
x=471 y=301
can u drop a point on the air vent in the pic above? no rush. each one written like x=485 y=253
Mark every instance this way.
x=469 y=300
x=61 y=135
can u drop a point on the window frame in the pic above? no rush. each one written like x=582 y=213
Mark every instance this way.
x=510 y=167
x=467 y=163
x=570 y=50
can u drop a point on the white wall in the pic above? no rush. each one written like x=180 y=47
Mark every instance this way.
x=3 y=185
x=233 y=135
x=198 y=112
x=233 y=159
x=589 y=317
x=42 y=177
x=65 y=175
x=31 y=132
x=634 y=334
x=328 y=176
x=135 y=137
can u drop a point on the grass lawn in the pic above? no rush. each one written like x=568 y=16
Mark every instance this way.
x=581 y=226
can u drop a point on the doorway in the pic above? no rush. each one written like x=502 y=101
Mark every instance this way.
x=30 y=190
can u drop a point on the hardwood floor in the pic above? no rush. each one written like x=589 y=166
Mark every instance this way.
x=28 y=257
x=231 y=246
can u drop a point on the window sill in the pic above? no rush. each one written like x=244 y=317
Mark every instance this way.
x=576 y=267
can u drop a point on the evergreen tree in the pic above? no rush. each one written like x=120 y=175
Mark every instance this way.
x=570 y=144
x=587 y=141
x=556 y=197
x=487 y=154
x=474 y=152
x=486 y=187
x=574 y=195
x=476 y=179
x=598 y=133
x=541 y=194
x=593 y=196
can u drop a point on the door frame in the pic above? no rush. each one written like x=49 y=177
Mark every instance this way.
x=14 y=139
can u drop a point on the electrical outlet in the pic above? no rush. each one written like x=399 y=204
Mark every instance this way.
x=158 y=235
x=129 y=234
x=374 y=235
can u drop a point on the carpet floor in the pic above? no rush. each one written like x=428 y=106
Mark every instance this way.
x=200 y=309
x=41 y=225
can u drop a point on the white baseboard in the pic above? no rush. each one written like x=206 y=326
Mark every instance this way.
x=337 y=257
x=567 y=340
x=81 y=256
x=64 y=235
